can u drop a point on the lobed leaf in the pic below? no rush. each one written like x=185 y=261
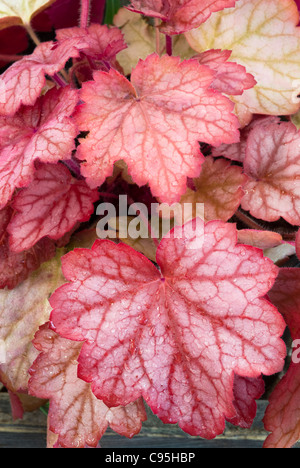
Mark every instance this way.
x=179 y=16
x=102 y=43
x=246 y=391
x=22 y=311
x=153 y=123
x=22 y=83
x=231 y=78
x=237 y=151
x=272 y=164
x=264 y=38
x=177 y=335
x=75 y=414
x=45 y=132
x=16 y=267
x=282 y=417
x=51 y=206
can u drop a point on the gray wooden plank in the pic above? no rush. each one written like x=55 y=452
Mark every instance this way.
x=31 y=433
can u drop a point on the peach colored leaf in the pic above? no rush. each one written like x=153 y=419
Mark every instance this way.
x=272 y=164
x=20 y=11
x=177 y=334
x=140 y=37
x=219 y=187
x=102 y=43
x=282 y=417
x=75 y=414
x=260 y=239
x=45 y=132
x=23 y=81
x=22 y=311
x=16 y=267
x=179 y=16
x=246 y=391
x=263 y=38
x=153 y=123
x=231 y=78
x=51 y=206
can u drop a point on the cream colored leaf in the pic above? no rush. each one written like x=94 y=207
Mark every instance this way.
x=12 y=11
x=263 y=37
x=22 y=311
x=141 y=40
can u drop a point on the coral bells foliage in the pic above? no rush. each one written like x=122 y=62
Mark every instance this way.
x=180 y=102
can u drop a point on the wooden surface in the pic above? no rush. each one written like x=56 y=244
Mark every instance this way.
x=31 y=433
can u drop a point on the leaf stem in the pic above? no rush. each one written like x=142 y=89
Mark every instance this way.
x=10 y=58
x=169 y=45
x=157 y=35
x=32 y=34
x=58 y=79
x=249 y=222
x=85 y=13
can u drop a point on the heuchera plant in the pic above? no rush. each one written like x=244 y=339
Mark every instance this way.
x=177 y=102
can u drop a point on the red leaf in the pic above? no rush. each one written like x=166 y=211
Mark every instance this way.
x=75 y=414
x=51 y=206
x=179 y=16
x=231 y=78
x=23 y=81
x=16 y=267
x=246 y=391
x=177 y=336
x=282 y=417
x=103 y=43
x=153 y=123
x=272 y=164
x=43 y=132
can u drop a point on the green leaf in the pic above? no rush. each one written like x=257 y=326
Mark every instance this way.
x=112 y=7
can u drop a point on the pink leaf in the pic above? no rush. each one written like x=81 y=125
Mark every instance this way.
x=246 y=391
x=272 y=164
x=102 y=43
x=176 y=335
x=51 y=206
x=16 y=267
x=153 y=123
x=231 y=78
x=75 y=414
x=23 y=81
x=43 y=132
x=179 y=16
x=282 y=417
x=237 y=151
